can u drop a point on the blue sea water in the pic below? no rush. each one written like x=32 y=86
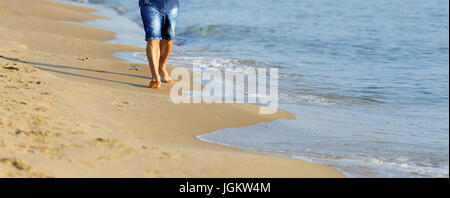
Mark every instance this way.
x=368 y=81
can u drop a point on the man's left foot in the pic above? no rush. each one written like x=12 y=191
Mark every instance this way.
x=166 y=78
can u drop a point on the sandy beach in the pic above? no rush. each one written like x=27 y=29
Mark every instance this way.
x=70 y=109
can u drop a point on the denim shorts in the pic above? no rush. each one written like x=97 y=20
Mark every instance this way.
x=159 y=17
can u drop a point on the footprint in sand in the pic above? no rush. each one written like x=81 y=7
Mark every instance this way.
x=107 y=142
x=37 y=133
x=17 y=163
x=19 y=168
x=115 y=149
x=39 y=137
x=83 y=59
x=15 y=81
x=41 y=109
x=149 y=147
x=123 y=104
x=77 y=132
x=11 y=68
x=41 y=149
x=35 y=82
x=133 y=68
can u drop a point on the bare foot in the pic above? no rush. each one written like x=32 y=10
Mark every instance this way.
x=167 y=80
x=155 y=84
x=166 y=77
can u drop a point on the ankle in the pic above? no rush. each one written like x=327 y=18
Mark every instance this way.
x=157 y=78
x=165 y=73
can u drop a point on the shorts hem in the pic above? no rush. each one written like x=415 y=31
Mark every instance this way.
x=153 y=38
x=166 y=38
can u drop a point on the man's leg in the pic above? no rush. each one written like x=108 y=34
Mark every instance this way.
x=166 y=48
x=153 y=56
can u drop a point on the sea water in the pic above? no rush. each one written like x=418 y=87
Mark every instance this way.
x=366 y=80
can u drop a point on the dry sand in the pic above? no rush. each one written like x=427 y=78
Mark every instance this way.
x=70 y=109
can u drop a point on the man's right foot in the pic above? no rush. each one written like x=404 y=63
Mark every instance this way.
x=155 y=84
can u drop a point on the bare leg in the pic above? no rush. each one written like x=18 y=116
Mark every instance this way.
x=166 y=48
x=153 y=55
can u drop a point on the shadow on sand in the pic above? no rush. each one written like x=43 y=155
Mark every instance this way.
x=51 y=68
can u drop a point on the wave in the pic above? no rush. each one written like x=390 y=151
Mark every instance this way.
x=286 y=94
x=204 y=31
x=357 y=166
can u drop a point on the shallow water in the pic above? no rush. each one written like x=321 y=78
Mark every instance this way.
x=367 y=80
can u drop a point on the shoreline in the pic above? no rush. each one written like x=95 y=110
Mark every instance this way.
x=91 y=117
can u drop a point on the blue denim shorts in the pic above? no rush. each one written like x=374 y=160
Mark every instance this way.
x=159 y=17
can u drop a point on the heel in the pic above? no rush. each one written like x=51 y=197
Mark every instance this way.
x=154 y=84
